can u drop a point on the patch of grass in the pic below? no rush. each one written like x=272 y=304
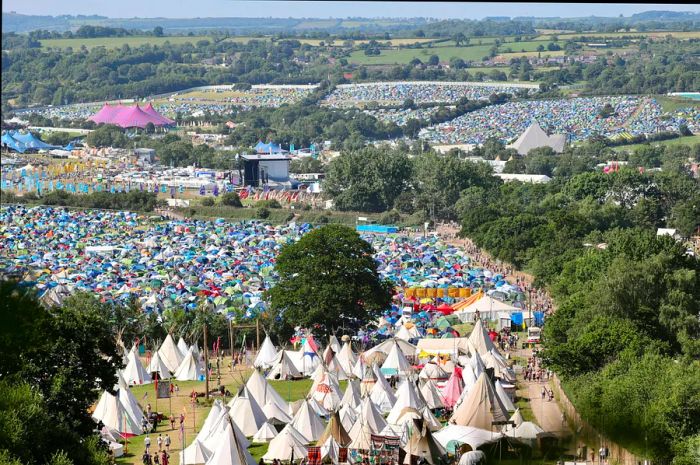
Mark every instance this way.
x=671 y=103
x=258 y=450
x=688 y=140
x=116 y=42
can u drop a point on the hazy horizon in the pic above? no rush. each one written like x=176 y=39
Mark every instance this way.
x=335 y=10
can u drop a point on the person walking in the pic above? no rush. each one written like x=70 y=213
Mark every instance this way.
x=167 y=442
x=147 y=443
x=159 y=441
x=172 y=421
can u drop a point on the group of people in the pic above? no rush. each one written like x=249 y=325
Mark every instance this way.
x=396 y=93
x=578 y=118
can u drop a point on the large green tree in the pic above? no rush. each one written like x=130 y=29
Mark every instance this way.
x=54 y=364
x=328 y=279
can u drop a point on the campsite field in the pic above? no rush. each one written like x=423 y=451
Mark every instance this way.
x=195 y=416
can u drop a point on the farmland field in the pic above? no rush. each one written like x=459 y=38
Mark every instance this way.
x=404 y=56
x=669 y=103
x=116 y=42
x=688 y=140
x=654 y=34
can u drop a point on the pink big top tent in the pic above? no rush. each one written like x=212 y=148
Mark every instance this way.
x=154 y=113
x=130 y=116
x=453 y=388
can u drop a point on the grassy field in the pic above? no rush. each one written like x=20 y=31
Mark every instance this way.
x=117 y=42
x=404 y=56
x=195 y=416
x=617 y=35
x=670 y=104
x=689 y=140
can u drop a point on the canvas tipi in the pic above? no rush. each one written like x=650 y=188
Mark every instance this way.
x=246 y=413
x=308 y=423
x=135 y=373
x=480 y=408
x=286 y=446
x=189 y=369
x=266 y=355
x=170 y=354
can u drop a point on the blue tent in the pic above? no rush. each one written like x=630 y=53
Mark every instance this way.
x=30 y=141
x=263 y=148
x=13 y=143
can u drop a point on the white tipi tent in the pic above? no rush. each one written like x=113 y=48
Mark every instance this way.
x=382 y=395
x=170 y=354
x=504 y=397
x=113 y=415
x=157 y=365
x=263 y=393
x=286 y=446
x=396 y=362
x=246 y=413
x=195 y=454
x=406 y=397
x=370 y=416
x=347 y=358
x=308 y=423
x=266 y=433
x=283 y=368
x=266 y=355
x=213 y=416
x=182 y=346
x=352 y=395
x=431 y=395
x=189 y=369
x=480 y=408
x=275 y=414
x=230 y=451
x=135 y=373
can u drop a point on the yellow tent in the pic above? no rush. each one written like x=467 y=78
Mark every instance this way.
x=468 y=301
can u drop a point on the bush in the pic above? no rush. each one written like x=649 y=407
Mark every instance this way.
x=263 y=213
x=271 y=203
x=391 y=217
x=231 y=199
x=290 y=217
x=208 y=202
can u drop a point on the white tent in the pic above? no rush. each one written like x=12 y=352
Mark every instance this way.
x=326 y=389
x=358 y=369
x=475 y=437
x=504 y=397
x=135 y=373
x=213 y=416
x=352 y=395
x=283 y=368
x=170 y=354
x=182 y=346
x=266 y=433
x=481 y=407
x=331 y=450
x=130 y=405
x=517 y=418
x=396 y=362
x=112 y=413
x=316 y=407
x=406 y=397
x=246 y=413
x=433 y=371
x=347 y=359
x=361 y=436
x=407 y=334
x=334 y=344
x=431 y=395
x=157 y=365
x=189 y=369
x=230 y=451
x=348 y=417
x=266 y=355
x=382 y=395
x=275 y=414
x=195 y=454
x=488 y=308
x=386 y=346
x=527 y=431
x=263 y=393
x=218 y=429
x=370 y=416
x=308 y=423
x=286 y=446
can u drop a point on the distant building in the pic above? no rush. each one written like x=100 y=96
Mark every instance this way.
x=534 y=137
x=145 y=156
x=531 y=178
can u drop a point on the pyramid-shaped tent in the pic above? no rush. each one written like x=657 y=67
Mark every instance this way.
x=396 y=362
x=246 y=413
x=266 y=433
x=307 y=423
x=170 y=354
x=283 y=368
x=195 y=454
x=534 y=137
x=135 y=373
x=480 y=408
x=112 y=413
x=189 y=369
x=430 y=393
x=157 y=365
x=453 y=389
x=287 y=445
x=335 y=429
x=266 y=355
x=263 y=393
x=230 y=451
x=406 y=397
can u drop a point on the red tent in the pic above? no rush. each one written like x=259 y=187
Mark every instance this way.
x=445 y=309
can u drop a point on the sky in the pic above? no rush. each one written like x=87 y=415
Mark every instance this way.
x=280 y=9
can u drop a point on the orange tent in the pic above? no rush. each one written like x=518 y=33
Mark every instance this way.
x=467 y=302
